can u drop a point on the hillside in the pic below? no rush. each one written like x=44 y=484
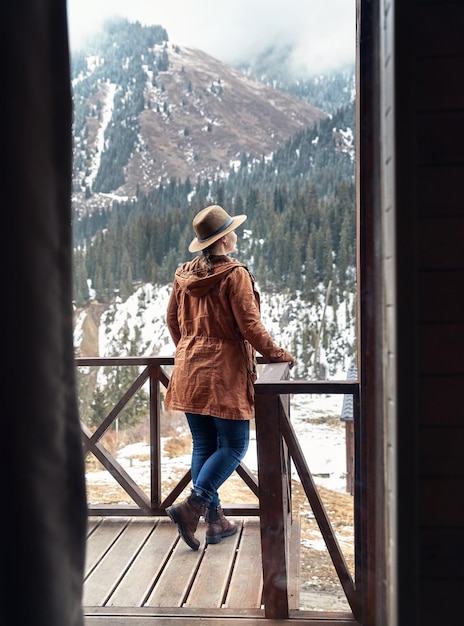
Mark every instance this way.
x=214 y=114
x=149 y=112
x=138 y=326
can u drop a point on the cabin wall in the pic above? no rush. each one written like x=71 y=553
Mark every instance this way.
x=422 y=200
x=439 y=218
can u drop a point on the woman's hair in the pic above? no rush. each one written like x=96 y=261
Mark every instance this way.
x=207 y=260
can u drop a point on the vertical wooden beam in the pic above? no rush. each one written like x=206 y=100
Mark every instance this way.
x=155 y=437
x=273 y=507
x=370 y=463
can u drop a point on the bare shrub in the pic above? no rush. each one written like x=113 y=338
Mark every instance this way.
x=172 y=423
x=178 y=445
x=111 y=440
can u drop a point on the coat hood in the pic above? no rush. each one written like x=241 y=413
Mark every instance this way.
x=193 y=278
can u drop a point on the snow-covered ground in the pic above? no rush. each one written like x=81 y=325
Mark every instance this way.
x=322 y=442
x=321 y=434
x=140 y=322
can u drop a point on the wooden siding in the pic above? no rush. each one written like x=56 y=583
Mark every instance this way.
x=439 y=109
x=420 y=155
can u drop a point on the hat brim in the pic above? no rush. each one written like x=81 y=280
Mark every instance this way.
x=197 y=246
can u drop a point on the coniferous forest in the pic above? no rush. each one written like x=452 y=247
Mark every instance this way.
x=300 y=230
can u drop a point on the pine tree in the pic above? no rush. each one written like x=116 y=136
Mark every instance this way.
x=80 y=285
x=99 y=408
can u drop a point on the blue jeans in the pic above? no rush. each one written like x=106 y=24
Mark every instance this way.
x=218 y=447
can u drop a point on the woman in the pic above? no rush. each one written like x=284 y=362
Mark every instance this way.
x=213 y=316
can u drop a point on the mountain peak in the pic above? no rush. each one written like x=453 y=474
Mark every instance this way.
x=147 y=116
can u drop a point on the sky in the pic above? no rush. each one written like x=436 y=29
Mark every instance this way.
x=322 y=33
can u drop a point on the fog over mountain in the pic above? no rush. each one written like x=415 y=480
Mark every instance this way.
x=319 y=36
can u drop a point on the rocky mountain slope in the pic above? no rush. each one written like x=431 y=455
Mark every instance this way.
x=214 y=113
x=162 y=113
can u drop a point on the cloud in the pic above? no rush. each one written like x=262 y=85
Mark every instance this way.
x=322 y=34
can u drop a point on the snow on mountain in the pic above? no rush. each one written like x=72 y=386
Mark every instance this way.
x=138 y=327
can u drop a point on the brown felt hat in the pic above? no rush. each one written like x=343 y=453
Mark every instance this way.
x=211 y=224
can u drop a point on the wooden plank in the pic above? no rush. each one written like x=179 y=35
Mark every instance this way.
x=92 y=524
x=178 y=612
x=440 y=451
x=246 y=584
x=441 y=502
x=103 y=579
x=159 y=616
x=440 y=137
x=439 y=396
x=435 y=84
x=439 y=29
x=439 y=244
x=101 y=540
x=210 y=585
x=440 y=296
x=440 y=349
x=440 y=601
x=272 y=506
x=144 y=571
x=176 y=579
x=441 y=553
x=315 y=619
x=436 y=190
x=294 y=563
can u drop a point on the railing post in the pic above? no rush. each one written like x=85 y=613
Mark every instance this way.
x=155 y=438
x=274 y=506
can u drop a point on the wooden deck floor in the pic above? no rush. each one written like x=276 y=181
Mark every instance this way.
x=139 y=571
x=141 y=562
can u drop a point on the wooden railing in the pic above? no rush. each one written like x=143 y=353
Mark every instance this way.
x=277 y=449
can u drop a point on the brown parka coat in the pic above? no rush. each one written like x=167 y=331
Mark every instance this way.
x=214 y=321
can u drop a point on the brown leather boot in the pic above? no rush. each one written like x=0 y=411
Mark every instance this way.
x=218 y=526
x=186 y=515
